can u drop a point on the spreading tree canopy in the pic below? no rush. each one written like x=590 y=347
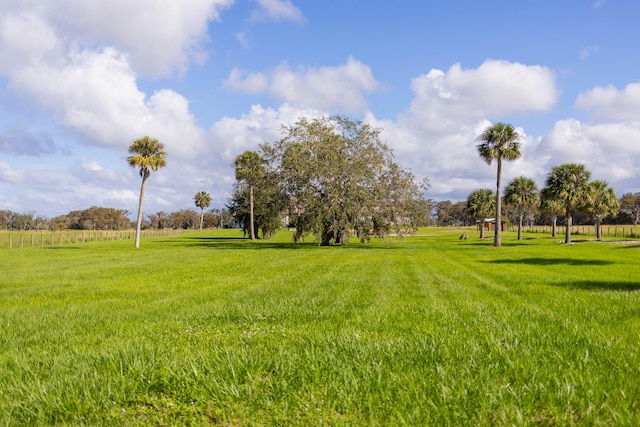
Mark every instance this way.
x=340 y=178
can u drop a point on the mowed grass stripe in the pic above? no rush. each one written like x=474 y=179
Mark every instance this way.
x=206 y=328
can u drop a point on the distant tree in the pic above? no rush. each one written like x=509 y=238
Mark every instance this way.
x=553 y=206
x=184 y=219
x=601 y=203
x=148 y=155
x=443 y=212
x=202 y=200
x=630 y=205
x=223 y=217
x=22 y=221
x=340 y=177
x=249 y=167
x=522 y=193
x=480 y=205
x=6 y=217
x=210 y=220
x=159 y=220
x=499 y=142
x=568 y=184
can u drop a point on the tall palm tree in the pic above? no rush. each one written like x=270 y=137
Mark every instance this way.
x=569 y=184
x=601 y=203
x=522 y=192
x=203 y=200
x=481 y=204
x=147 y=154
x=553 y=206
x=499 y=142
x=249 y=168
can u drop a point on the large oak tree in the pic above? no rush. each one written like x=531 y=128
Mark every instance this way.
x=340 y=179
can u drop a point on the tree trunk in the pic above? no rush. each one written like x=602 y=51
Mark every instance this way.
x=567 y=233
x=497 y=238
x=598 y=230
x=252 y=232
x=520 y=227
x=482 y=228
x=145 y=175
x=553 y=226
x=201 y=217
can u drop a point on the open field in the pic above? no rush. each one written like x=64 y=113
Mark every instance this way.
x=33 y=238
x=211 y=329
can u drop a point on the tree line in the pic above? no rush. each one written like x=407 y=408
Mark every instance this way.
x=331 y=178
x=101 y=218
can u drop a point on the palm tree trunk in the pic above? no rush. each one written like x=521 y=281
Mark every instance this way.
x=520 y=227
x=497 y=238
x=553 y=226
x=139 y=219
x=252 y=232
x=201 y=217
x=567 y=233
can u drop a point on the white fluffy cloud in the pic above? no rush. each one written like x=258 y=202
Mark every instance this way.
x=277 y=10
x=493 y=89
x=604 y=147
x=436 y=137
x=159 y=35
x=93 y=93
x=611 y=104
x=337 y=89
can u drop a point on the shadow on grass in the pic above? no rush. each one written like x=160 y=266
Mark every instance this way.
x=243 y=243
x=551 y=261
x=601 y=285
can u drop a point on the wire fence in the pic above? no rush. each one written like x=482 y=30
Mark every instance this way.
x=608 y=231
x=17 y=239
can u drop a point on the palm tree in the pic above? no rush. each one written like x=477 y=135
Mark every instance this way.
x=553 y=206
x=602 y=203
x=522 y=192
x=499 y=142
x=203 y=200
x=249 y=168
x=569 y=184
x=481 y=204
x=147 y=154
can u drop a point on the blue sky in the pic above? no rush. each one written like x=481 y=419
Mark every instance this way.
x=211 y=78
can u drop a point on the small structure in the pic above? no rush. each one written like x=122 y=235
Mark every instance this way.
x=489 y=224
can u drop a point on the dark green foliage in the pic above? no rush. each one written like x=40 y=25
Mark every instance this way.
x=340 y=179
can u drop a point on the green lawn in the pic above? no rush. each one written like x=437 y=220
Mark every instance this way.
x=211 y=329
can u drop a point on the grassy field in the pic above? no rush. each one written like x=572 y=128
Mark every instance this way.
x=33 y=238
x=211 y=329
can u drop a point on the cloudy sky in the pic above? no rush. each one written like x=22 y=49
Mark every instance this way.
x=80 y=80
